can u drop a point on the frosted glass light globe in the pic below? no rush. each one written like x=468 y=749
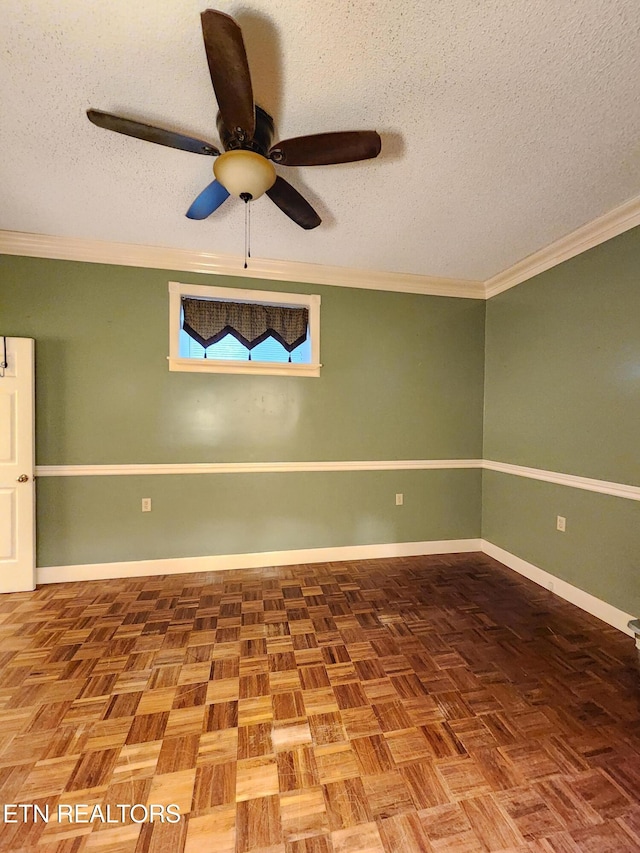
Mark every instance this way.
x=244 y=173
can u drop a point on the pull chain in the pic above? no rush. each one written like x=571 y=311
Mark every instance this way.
x=246 y=198
x=246 y=231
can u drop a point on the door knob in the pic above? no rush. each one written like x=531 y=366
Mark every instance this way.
x=23 y=478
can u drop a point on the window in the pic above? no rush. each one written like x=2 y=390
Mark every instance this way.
x=225 y=330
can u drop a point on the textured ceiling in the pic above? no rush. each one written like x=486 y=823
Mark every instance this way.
x=506 y=124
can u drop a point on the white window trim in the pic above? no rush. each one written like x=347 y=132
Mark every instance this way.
x=264 y=297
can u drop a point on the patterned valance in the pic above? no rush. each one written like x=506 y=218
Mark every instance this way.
x=207 y=321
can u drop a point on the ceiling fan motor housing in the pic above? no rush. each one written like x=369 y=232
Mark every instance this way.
x=262 y=137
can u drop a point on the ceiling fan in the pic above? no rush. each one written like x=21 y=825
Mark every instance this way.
x=246 y=169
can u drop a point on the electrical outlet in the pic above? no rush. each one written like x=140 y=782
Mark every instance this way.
x=146 y=504
x=399 y=499
x=561 y=523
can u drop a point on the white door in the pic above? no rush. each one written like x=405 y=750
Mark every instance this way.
x=17 y=492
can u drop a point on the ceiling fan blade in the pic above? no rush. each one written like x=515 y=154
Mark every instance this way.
x=210 y=199
x=324 y=149
x=150 y=133
x=229 y=69
x=293 y=204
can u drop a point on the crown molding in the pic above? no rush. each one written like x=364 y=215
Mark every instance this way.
x=185 y=260
x=611 y=224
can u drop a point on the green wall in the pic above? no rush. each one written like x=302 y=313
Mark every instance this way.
x=600 y=550
x=562 y=393
x=98 y=519
x=402 y=379
x=554 y=361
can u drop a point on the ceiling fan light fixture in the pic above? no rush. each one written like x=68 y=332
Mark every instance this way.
x=245 y=174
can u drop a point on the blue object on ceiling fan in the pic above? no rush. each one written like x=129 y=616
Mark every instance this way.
x=209 y=200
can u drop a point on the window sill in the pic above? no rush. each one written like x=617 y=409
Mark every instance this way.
x=264 y=368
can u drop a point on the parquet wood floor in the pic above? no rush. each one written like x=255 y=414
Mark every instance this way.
x=431 y=704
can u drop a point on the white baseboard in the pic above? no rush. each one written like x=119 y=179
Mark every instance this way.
x=260 y=560
x=584 y=600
